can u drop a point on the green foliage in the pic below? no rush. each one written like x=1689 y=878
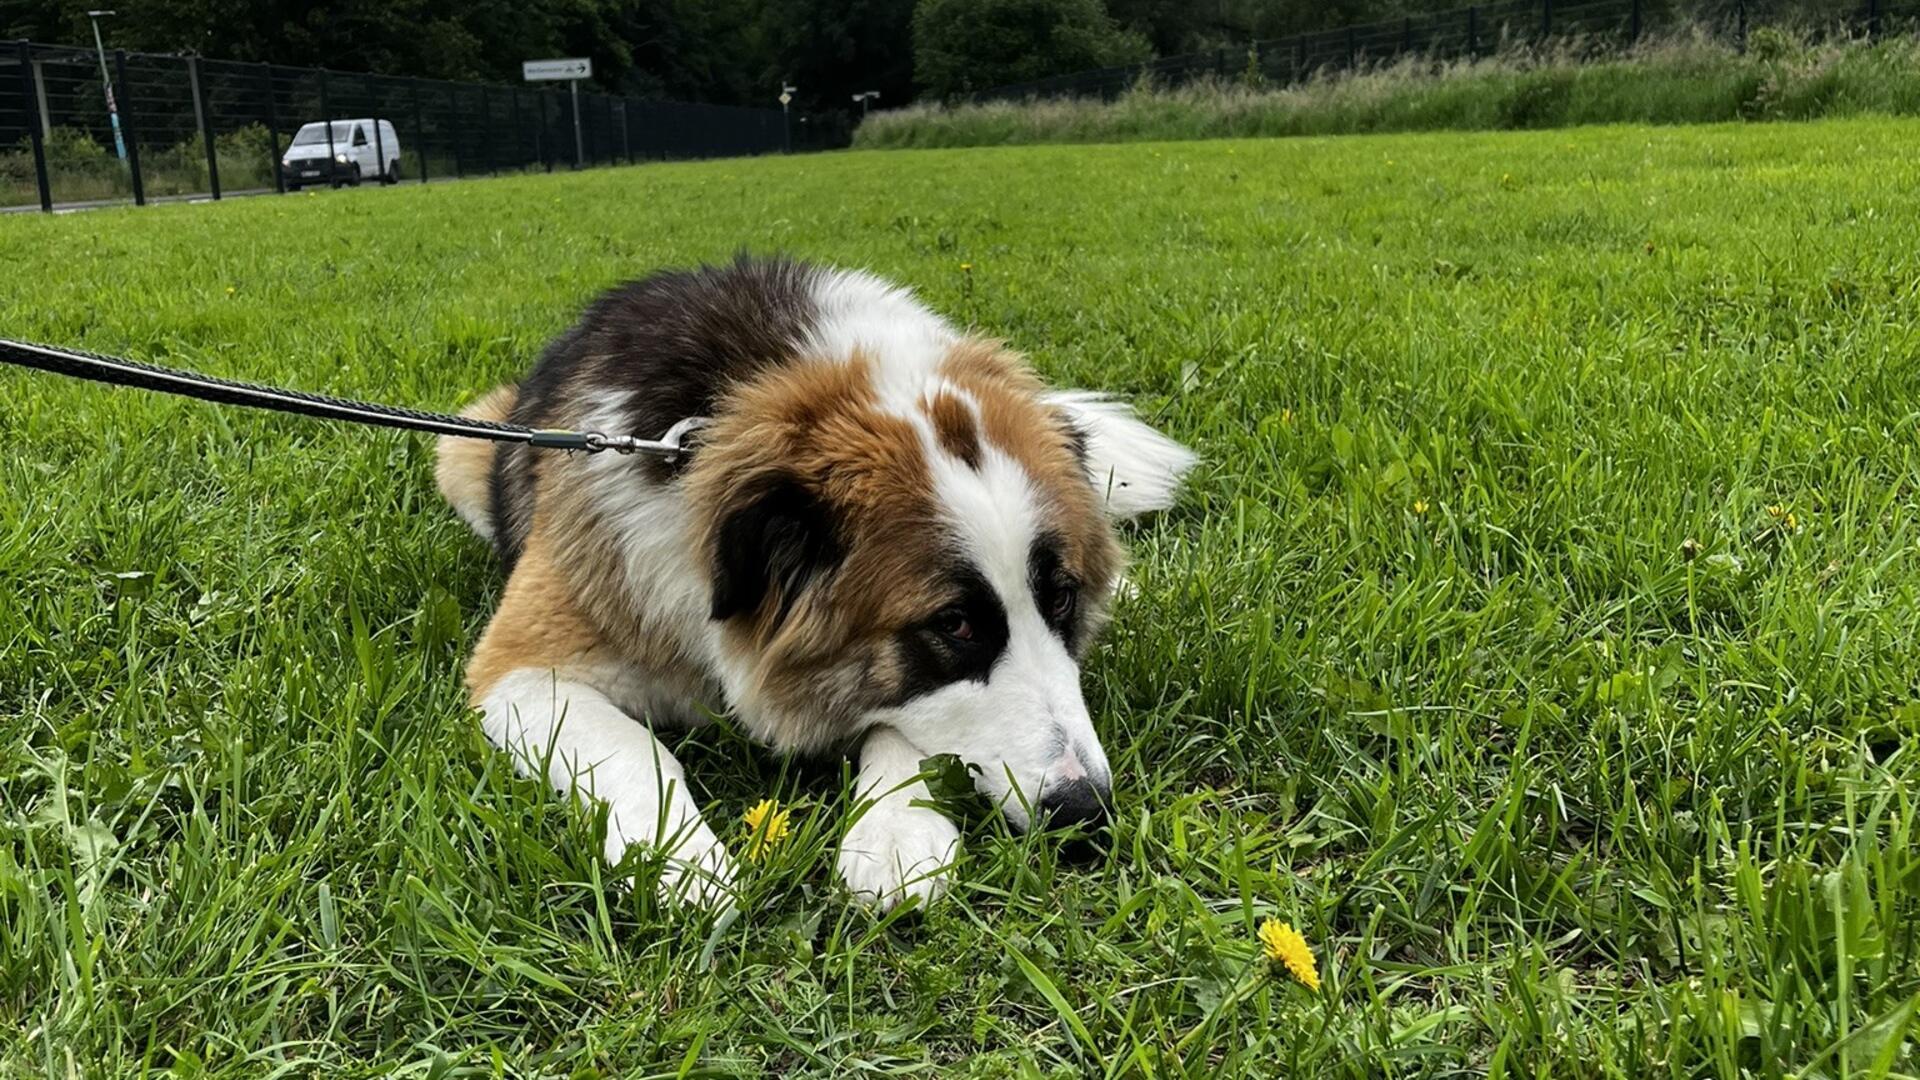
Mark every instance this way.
x=1537 y=635
x=1679 y=81
x=80 y=168
x=1253 y=76
x=962 y=45
x=78 y=153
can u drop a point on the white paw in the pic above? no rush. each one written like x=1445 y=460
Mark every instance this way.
x=698 y=871
x=896 y=852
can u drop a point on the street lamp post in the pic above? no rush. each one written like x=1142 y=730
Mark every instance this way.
x=865 y=98
x=106 y=82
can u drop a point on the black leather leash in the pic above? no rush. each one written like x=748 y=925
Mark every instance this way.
x=119 y=372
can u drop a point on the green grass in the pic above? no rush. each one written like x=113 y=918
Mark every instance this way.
x=1475 y=651
x=1684 y=78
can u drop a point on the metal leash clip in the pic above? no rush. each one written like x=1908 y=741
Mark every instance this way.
x=670 y=446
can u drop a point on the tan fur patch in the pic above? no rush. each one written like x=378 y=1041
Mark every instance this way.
x=537 y=625
x=462 y=467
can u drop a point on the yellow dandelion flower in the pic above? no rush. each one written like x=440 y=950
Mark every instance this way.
x=231 y=290
x=966 y=268
x=767 y=827
x=1284 y=947
x=1787 y=518
x=1419 y=506
x=1286 y=416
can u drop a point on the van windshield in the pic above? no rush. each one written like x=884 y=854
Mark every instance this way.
x=317 y=133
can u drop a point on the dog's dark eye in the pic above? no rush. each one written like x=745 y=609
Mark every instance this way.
x=954 y=623
x=1065 y=598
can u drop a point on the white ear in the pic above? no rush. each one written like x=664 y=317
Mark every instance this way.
x=1134 y=467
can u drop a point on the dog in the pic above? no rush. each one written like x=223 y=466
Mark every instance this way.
x=888 y=536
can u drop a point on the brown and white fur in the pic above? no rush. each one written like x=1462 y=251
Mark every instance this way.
x=891 y=536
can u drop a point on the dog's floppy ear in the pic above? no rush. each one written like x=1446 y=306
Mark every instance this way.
x=1136 y=469
x=776 y=539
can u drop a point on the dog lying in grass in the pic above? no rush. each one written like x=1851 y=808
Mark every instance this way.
x=888 y=536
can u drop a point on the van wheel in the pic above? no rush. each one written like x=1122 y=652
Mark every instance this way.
x=392 y=175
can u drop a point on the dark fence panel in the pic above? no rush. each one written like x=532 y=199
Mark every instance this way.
x=191 y=127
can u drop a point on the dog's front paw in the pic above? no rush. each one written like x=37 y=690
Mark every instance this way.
x=698 y=871
x=892 y=854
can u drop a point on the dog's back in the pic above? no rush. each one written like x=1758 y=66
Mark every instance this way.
x=642 y=358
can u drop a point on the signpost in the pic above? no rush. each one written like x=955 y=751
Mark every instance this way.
x=571 y=71
x=786 y=118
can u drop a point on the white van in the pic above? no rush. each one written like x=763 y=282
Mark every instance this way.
x=363 y=149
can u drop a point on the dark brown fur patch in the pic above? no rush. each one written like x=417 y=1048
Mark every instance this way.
x=954 y=429
x=1017 y=421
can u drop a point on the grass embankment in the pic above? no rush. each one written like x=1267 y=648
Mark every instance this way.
x=1678 y=81
x=1538 y=636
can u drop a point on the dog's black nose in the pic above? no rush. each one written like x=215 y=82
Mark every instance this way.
x=1076 y=802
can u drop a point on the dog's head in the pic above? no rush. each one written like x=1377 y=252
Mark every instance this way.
x=932 y=553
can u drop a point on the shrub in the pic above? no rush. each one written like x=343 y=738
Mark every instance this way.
x=1686 y=77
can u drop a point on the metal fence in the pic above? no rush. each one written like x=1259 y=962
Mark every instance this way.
x=189 y=126
x=1462 y=33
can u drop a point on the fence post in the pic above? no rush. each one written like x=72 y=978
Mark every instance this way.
x=486 y=127
x=1299 y=57
x=519 y=129
x=326 y=118
x=453 y=130
x=206 y=125
x=379 y=141
x=273 y=132
x=1546 y=18
x=546 y=157
x=1740 y=17
x=626 y=132
x=1633 y=29
x=1473 y=29
x=124 y=107
x=1406 y=35
x=606 y=125
x=419 y=126
x=1353 y=57
x=29 y=89
x=40 y=89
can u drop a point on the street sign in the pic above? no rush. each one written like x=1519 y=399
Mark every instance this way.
x=555 y=70
x=786 y=99
x=571 y=71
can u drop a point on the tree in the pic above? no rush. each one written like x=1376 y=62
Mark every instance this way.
x=965 y=45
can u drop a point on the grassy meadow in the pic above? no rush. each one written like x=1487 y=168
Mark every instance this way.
x=1538 y=636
